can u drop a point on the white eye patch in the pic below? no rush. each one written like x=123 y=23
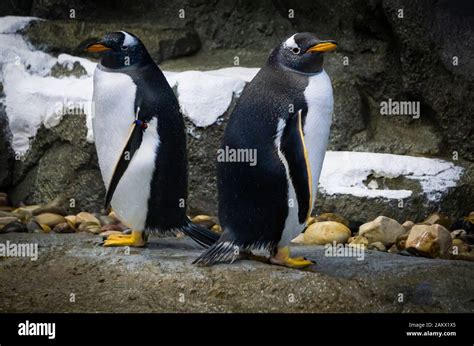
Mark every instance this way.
x=291 y=43
x=129 y=40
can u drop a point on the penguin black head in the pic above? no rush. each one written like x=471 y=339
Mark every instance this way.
x=120 y=49
x=302 y=52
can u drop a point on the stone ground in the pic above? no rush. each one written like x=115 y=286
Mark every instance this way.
x=157 y=278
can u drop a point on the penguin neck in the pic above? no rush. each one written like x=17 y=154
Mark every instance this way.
x=292 y=70
x=117 y=62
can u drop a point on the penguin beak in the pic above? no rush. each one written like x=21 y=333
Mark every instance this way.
x=326 y=46
x=97 y=47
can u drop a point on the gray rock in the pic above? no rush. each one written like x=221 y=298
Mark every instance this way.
x=6 y=153
x=60 y=161
x=74 y=263
x=72 y=37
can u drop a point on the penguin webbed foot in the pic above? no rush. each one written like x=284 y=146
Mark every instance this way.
x=135 y=239
x=282 y=258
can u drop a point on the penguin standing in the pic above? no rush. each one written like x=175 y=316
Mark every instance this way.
x=140 y=141
x=285 y=115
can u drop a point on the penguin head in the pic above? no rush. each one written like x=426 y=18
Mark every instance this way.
x=302 y=52
x=120 y=49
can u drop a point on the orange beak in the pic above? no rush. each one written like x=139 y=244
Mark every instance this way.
x=323 y=47
x=97 y=47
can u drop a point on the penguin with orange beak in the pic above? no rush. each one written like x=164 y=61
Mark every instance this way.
x=284 y=115
x=140 y=141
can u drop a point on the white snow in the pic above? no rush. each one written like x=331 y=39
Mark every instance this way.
x=344 y=172
x=12 y=24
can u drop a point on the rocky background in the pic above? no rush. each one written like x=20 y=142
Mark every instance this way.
x=409 y=58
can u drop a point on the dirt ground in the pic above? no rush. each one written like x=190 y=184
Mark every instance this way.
x=73 y=273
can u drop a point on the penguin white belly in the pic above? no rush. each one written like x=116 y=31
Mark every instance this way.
x=130 y=199
x=320 y=102
x=114 y=100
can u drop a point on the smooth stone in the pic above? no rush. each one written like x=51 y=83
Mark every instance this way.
x=14 y=226
x=393 y=249
x=310 y=221
x=216 y=228
x=107 y=220
x=332 y=217
x=63 y=227
x=49 y=219
x=458 y=233
x=7 y=214
x=45 y=228
x=86 y=217
x=359 y=240
x=7 y=208
x=205 y=221
x=33 y=227
x=5 y=220
x=383 y=229
x=408 y=225
x=377 y=246
x=429 y=240
x=71 y=218
x=326 y=232
x=461 y=246
x=438 y=219
x=400 y=243
x=299 y=239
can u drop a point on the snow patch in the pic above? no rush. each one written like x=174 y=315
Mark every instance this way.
x=12 y=24
x=344 y=172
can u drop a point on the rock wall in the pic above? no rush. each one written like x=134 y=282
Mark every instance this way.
x=423 y=53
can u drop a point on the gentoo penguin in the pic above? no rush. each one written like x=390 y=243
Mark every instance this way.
x=284 y=114
x=140 y=141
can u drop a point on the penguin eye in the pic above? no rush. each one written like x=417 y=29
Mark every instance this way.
x=124 y=48
x=296 y=50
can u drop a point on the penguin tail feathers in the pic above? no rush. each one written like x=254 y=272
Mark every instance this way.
x=222 y=251
x=200 y=235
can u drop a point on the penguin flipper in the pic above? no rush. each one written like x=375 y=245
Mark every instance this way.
x=293 y=148
x=133 y=143
x=221 y=251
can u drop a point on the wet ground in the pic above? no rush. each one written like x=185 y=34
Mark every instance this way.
x=74 y=274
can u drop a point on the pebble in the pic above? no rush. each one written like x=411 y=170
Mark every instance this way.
x=429 y=240
x=216 y=228
x=33 y=227
x=408 y=225
x=438 y=219
x=321 y=233
x=14 y=226
x=377 y=246
x=205 y=221
x=299 y=239
x=91 y=227
x=359 y=240
x=458 y=233
x=332 y=217
x=71 y=219
x=49 y=219
x=45 y=228
x=460 y=247
x=400 y=243
x=310 y=221
x=63 y=227
x=84 y=217
x=383 y=229
x=107 y=220
x=5 y=220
